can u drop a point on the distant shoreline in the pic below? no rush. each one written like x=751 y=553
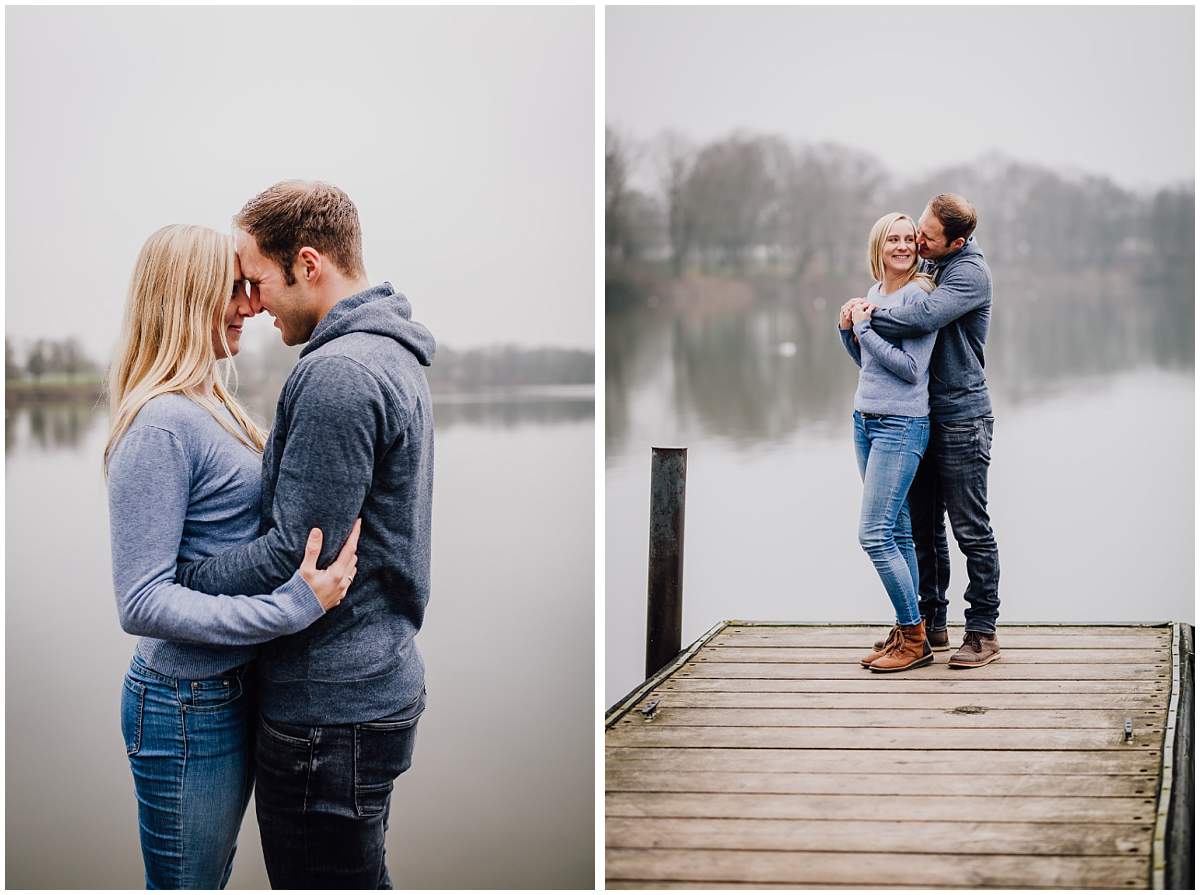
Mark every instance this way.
x=24 y=392
x=59 y=391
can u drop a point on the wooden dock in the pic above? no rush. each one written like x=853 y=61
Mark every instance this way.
x=764 y=756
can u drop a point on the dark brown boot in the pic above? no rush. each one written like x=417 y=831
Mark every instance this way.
x=911 y=650
x=881 y=647
x=939 y=641
x=977 y=650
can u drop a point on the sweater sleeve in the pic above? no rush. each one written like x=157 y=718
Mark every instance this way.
x=148 y=490
x=898 y=360
x=851 y=345
x=963 y=289
x=335 y=412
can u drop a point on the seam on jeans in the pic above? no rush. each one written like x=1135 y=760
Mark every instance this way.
x=354 y=770
x=308 y=769
x=183 y=881
x=138 y=689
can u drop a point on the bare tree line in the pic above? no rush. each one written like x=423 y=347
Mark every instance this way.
x=49 y=359
x=756 y=203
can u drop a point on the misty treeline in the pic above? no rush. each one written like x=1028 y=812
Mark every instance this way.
x=45 y=359
x=758 y=204
x=475 y=369
x=453 y=370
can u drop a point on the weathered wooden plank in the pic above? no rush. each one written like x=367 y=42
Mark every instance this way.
x=911 y=682
x=874 y=870
x=1010 y=656
x=886 y=761
x=675 y=884
x=1094 y=630
x=853 y=638
x=906 y=837
x=997 y=671
x=789 y=806
x=1127 y=702
x=621 y=777
x=965 y=716
x=642 y=734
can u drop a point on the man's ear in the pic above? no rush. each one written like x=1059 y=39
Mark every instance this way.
x=957 y=244
x=310 y=264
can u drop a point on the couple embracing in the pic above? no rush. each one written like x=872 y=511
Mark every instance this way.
x=923 y=430
x=276 y=580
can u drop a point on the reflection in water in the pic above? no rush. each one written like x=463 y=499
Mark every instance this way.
x=510 y=414
x=57 y=426
x=50 y=426
x=754 y=375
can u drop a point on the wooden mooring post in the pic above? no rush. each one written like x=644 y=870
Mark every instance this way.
x=664 y=604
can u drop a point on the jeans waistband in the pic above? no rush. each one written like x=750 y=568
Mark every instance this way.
x=880 y=416
x=138 y=666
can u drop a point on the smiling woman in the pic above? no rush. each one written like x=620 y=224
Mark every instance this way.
x=891 y=431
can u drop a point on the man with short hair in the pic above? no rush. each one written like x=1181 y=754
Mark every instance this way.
x=353 y=437
x=952 y=476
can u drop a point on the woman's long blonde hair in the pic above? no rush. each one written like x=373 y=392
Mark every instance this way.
x=178 y=294
x=875 y=252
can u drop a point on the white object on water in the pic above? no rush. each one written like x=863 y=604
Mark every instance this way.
x=787 y=349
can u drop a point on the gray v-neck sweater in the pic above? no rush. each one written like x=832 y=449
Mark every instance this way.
x=895 y=377
x=182 y=488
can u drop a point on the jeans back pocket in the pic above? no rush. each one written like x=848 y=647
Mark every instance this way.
x=382 y=752
x=133 y=708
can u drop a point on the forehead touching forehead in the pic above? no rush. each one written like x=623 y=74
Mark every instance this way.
x=253 y=264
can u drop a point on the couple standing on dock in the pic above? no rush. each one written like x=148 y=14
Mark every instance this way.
x=923 y=430
x=256 y=669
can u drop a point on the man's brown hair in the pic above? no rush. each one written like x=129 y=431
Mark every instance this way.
x=956 y=214
x=293 y=214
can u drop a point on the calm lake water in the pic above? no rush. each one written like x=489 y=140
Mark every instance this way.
x=1091 y=484
x=500 y=794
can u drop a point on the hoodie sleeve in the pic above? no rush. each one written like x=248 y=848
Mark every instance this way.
x=149 y=479
x=963 y=288
x=851 y=345
x=337 y=419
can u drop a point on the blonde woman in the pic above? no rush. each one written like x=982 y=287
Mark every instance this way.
x=183 y=465
x=891 y=431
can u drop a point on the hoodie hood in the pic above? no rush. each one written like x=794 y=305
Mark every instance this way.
x=969 y=248
x=380 y=310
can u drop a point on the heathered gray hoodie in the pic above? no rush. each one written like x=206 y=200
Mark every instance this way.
x=960 y=310
x=353 y=436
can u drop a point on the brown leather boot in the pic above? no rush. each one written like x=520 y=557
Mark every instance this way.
x=881 y=647
x=911 y=650
x=939 y=641
x=977 y=650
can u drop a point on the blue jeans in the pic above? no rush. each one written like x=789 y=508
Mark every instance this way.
x=324 y=794
x=190 y=747
x=889 y=449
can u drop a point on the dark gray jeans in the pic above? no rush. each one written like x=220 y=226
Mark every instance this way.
x=323 y=795
x=952 y=480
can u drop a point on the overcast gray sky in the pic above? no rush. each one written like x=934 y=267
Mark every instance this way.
x=464 y=135
x=1106 y=90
